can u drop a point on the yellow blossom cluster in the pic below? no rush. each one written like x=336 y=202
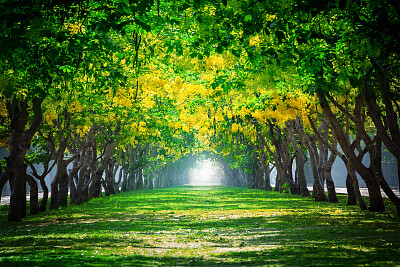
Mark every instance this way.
x=215 y=62
x=256 y=40
x=82 y=130
x=142 y=127
x=269 y=17
x=74 y=28
x=218 y=117
x=75 y=106
x=3 y=109
x=50 y=115
x=235 y=127
x=243 y=112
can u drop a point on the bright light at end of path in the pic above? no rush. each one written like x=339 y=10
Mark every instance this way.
x=205 y=173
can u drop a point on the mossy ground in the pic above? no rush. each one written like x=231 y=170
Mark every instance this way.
x=202 y=226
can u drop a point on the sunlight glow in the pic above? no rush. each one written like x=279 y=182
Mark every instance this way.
x=206 y=173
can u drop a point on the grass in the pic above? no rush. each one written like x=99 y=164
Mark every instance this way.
x=202 y=226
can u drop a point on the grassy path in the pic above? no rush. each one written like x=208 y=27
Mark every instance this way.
x=202 y=226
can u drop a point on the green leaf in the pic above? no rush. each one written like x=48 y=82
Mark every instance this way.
x=235 y=52
x=197 y=4
x=143 y=25
x=220 y=49
x=66 y=68
x=124 y=7
x=248 y=17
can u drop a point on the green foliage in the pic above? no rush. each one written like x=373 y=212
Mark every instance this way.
x=285 y=188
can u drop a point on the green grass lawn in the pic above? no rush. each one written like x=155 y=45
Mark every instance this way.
x=202 y=226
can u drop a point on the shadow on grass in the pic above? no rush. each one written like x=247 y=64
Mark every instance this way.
x=202 y=227
x=291 y=255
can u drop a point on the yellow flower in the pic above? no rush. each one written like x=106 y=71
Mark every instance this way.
x=235 y=127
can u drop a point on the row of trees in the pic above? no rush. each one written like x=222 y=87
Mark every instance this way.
x=323 y=75
x=111 y=92
x=74 y=95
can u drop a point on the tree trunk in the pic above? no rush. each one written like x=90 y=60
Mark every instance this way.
x=5 y=176
x=367 y=174
x=281 y=157
x=300 y=158
x=33 y=193
x=318 y=189
x=74 y=182
x=391 y=195
x=300 y=163
x=17 y=210
x=146 y=183
x=327 y=167
x=124 y=186
x=156 y=179
x=46 y=171
x=19 y=143
x=351 y=193
x=258 y=174
x=375 y=196
x=110 y=179
x=43 y=202
x=353 y=176
x=59 y=173
x=267 y=173
x=387 y=124
x=378 y=168
x=117 y=166
x=108 y=153
x=63 y=188
x=84 y=177
x=278 y=181
x=96 y=184
x=85 y=189
x=18 y=114
x=330 y=184
x=139 y=180
x=151 y=183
